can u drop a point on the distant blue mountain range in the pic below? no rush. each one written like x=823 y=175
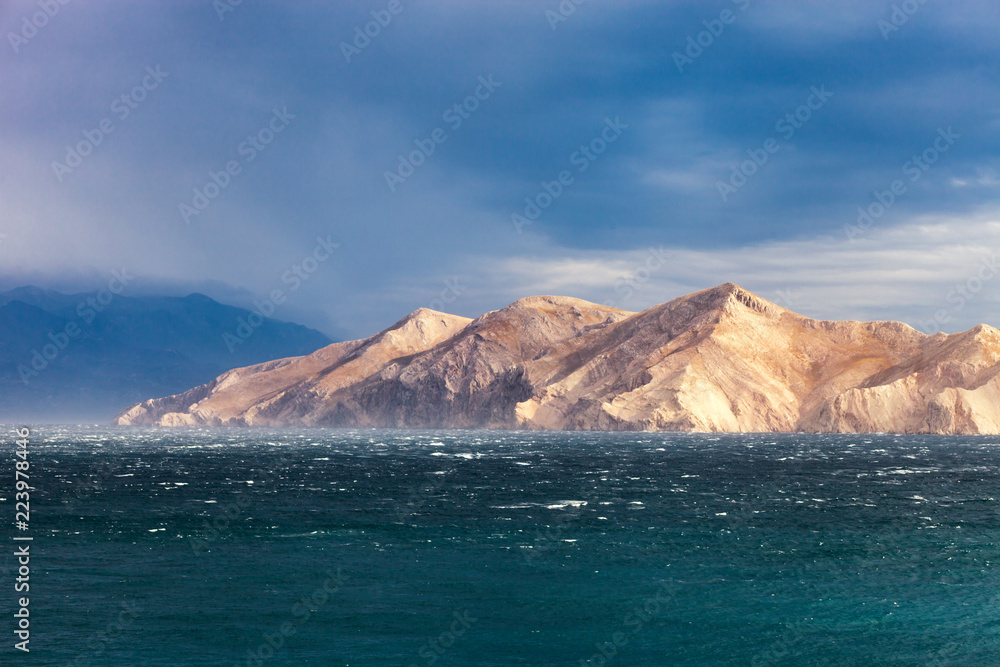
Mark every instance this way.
x=81 y=357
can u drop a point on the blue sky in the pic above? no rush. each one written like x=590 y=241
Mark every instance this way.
x=642 y=222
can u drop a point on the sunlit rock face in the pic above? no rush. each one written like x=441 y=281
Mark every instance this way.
x=722 y=359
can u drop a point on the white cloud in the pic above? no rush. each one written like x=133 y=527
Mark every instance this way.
x=903 y=273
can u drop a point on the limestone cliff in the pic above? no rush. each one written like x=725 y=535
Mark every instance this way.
x=722 y=359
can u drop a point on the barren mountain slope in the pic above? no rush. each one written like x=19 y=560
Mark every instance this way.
x=237 y=397
x=726 y=360
x=721 y=359
x=475 y=379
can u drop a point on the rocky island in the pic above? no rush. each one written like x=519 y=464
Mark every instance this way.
x=722 y=359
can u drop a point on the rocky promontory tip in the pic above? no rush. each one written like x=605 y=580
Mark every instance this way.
x=722 y=359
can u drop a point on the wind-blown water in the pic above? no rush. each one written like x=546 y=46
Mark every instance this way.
x=449 y=548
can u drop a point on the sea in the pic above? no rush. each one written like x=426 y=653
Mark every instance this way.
x=399 y=548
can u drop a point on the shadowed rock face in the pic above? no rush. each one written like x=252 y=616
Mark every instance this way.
x=721 y=359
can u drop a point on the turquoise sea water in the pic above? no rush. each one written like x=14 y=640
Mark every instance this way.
x=449 y=548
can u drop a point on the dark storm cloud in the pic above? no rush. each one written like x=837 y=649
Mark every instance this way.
x=689 y=122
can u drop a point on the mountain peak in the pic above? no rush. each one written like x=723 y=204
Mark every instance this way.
x=198 y=297
x=427 y=316
x=424 y=313
x=421 y=326
x=549 y=302
x=31 y=290
x=39 y=297
x=731 y=294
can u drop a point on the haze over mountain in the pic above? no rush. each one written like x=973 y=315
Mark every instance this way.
x=79 y=357
x=721 y=359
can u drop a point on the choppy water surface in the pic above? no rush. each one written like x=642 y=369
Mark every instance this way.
x=399 y=548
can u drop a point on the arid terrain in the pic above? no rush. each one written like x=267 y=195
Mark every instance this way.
x=721 y=359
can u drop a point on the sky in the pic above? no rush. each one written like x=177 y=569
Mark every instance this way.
x=365 y=159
